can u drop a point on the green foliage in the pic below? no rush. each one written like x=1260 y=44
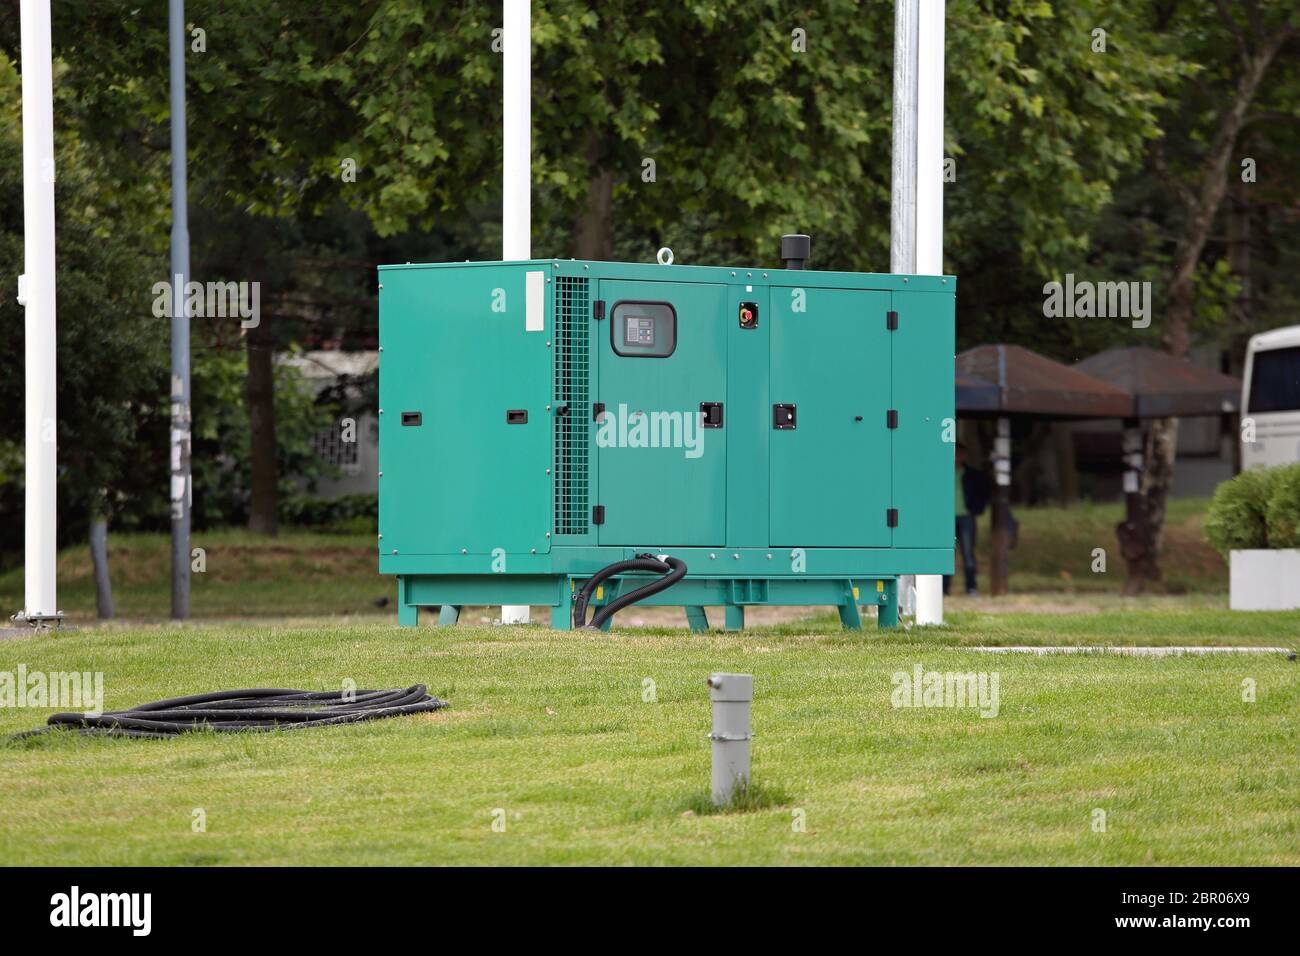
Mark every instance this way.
x=221 y=435
x=1283 y=513
x=1237 y=519
x=112 y=350
x=1184 y=204
x=750 y=136
x=348 y=514
x=759 y=120
x=1259 y=508
x=1044 y=126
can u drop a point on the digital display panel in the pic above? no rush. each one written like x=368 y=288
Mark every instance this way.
x=640 y=331
x=643 y=329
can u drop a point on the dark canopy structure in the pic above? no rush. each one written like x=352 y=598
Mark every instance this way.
x=1006 y=382
x=1009 y=381
x=1162 y=386
x=975 y=396
x=1032 y=385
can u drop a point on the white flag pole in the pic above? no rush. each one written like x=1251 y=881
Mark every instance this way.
x=929 y=209
x=36 y=293
x=516 y=192
x=916 y=215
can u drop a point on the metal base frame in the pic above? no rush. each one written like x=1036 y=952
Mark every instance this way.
x=449 y=593
x=37 y=621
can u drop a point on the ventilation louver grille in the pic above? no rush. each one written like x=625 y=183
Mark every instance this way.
x=572 y=382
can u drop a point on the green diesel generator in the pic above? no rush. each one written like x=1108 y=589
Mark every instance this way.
x=591 y=435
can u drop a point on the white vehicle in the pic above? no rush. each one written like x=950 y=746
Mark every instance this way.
x=1270 y=399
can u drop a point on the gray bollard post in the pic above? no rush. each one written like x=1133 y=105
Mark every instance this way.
x=731 y=695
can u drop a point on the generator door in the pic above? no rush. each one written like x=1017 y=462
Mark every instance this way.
x=830 y=449
x=464 y=437
x=661 y=439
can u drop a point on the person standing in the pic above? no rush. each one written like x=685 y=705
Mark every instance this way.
x=972 y=497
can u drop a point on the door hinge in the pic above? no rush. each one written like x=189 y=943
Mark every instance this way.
x=598 y=309
x=598 y=514
x=891 y=517
x=597 y=409
x=891 y=321
x=891 y=418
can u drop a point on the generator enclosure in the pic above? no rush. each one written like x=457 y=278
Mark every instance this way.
x=788 y=434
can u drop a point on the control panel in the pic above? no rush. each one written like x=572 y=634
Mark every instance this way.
x=644 y=329
x=640 y=331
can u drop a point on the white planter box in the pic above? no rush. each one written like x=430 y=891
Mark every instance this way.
x=1265 y=580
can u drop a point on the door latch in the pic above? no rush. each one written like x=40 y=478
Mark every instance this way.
x=784 y=417
x=711 y=414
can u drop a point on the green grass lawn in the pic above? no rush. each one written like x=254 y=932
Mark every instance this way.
x=313 y=573
x=1055 y=551
x=246 y=575
x=550 y=730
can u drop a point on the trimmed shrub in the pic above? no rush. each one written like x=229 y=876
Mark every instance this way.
x=1282 y=517
x=1237 y=519
x=349 y=513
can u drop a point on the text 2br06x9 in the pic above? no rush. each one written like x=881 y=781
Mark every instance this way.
x=1213 y=897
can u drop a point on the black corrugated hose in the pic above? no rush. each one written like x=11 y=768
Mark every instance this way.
x=254 y=709
x=672 y=569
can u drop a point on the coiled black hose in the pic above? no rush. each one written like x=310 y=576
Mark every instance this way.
x=672 y=569
x=234 y=711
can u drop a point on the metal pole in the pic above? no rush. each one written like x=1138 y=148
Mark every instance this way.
x=1134 y=503
x=929 y=209
x=517 y=115
x=1000 y=572
x=180 y=325
x=929 y=139
x=516 y=165
x=916 y=208
x=36 y=292
x=902 y=207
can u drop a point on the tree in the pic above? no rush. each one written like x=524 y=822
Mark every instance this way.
x=112 y=375
x=757 y=121
x=1232 y=56
x=712 y=128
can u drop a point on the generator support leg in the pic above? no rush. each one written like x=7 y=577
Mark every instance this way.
x=448 y=615
x=408 y=614
x=697 y=618
x=849 y=616
x=562 y=617
x=735 y=617
x=562 y=609
x=888 y=613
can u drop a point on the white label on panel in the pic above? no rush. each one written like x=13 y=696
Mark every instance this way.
x=534 y=301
